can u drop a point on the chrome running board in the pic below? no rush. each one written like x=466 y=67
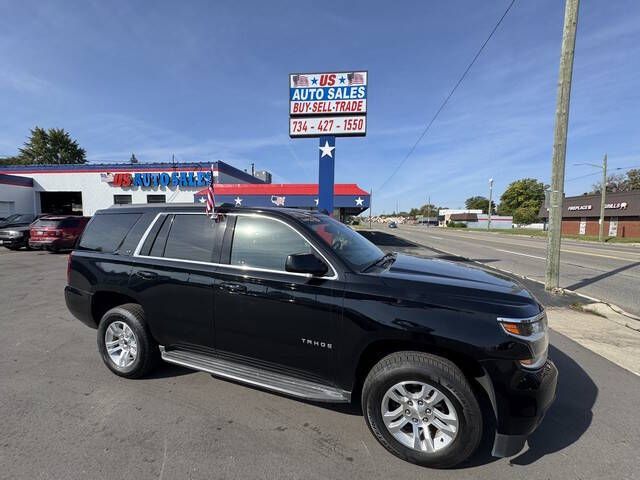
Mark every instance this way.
x=256 y=376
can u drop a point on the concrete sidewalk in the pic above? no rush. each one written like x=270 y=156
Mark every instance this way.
x=602 y=330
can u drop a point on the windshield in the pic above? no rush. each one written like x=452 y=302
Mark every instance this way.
x=348 y=244
x=11 y=218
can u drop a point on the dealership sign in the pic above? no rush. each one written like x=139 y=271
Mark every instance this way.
x=608 y=206
x=314 y=126
x=155 y=180
x=330 y=103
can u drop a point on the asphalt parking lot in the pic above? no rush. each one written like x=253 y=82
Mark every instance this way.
x=64 y=415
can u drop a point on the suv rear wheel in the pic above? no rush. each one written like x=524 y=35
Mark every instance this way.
x=421 y=408
x=124 y=342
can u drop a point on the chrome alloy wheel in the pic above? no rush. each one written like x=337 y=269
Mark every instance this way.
x=419 y=416
x=121 y=344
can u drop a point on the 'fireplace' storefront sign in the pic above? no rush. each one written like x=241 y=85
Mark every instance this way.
x=155 y=180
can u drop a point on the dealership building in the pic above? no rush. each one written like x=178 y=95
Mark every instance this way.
x=84 y=189
x=581 y=215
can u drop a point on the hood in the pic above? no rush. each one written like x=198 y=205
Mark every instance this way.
x=18 y=228
x=446 y=273
x=14 y=224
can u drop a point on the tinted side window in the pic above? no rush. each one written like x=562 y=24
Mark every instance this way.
x=69 y=223
x=157 y=248
x=191 y=237
x=265 y=243
x=106 y=232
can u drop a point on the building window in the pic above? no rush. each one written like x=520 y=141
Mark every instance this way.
x=122 y=199
x=156 y=198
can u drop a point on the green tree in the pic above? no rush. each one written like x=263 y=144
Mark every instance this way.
x=522 y=199
x=633 y=179
x=479 y=203
x=526 y=215
x=53 y=146
x=615 y=183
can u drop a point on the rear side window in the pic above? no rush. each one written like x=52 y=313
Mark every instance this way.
x=70 y=223
x=43 y=222
x=106 y=232
x=190 y=237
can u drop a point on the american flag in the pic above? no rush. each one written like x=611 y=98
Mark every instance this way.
x=300 y=81
x=355 y=78
x=107 y=177
x=211 y=199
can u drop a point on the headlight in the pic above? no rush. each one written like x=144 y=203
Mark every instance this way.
x=532 y=330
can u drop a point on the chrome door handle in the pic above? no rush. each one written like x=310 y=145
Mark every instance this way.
x=233 y=287
x=146 y=274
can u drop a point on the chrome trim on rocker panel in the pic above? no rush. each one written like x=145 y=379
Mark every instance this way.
x=136 y=252
x=253 y=376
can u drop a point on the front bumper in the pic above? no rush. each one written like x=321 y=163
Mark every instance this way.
x=520 y=399
x=13 y=242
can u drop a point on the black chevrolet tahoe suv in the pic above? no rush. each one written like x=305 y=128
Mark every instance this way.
x=298 y=303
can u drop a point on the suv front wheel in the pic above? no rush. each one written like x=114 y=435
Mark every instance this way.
x=124 y=342
x=421 y=408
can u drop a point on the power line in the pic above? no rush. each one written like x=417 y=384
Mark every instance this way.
x=582 y=176
x=444 y=103
x=598 y=173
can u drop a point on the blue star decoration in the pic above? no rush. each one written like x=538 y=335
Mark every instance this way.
x=314 y=81
x=342 y=79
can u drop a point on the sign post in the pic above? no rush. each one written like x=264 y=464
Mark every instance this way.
x=327 y=105
x=326 y=173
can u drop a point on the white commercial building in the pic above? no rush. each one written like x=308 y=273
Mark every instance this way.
x=84 y=189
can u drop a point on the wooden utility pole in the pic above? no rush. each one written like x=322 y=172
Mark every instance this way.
x=603 y=195
x=552 y=270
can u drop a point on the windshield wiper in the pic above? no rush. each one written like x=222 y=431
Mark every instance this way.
x=382 y=260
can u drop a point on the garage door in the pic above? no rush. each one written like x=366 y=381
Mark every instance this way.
x=7 y=208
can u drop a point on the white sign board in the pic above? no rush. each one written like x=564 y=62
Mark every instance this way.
x=583 y=226
x=613 y=227
x=329 y=103
x=337 y=126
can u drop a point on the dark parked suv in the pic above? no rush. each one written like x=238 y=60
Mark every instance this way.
x=298 y=303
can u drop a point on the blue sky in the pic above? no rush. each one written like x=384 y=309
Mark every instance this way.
x=208 y=80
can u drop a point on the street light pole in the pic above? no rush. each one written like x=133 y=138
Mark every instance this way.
x=552 y=269
x=490 y=200
x=603 y=194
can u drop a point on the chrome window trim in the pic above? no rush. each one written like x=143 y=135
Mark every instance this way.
x=533 y=319
x=136 y=252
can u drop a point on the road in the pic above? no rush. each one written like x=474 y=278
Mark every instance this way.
x=609 y=272
x=64 y=415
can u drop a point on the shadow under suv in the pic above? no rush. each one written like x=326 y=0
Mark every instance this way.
x=298 y=303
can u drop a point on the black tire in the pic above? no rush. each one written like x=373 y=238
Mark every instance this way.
x=13 y=247
x=439 y=373
x=147 y=356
